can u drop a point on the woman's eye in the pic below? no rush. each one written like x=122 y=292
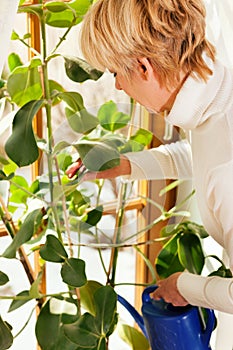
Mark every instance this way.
x=114 y=74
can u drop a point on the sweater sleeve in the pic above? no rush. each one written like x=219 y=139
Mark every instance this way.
x=171 y=161
x=209 y=292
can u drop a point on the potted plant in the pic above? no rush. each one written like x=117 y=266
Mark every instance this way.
x=85 y=314
x=53 y=205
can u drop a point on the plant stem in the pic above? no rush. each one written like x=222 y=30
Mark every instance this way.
x=48 y=108
x=100 y=187
x=35 y=52
x=67 y=227
x=117 y=233
x=9 y=224
x=120 y=210
x=6 y=219
x=63 y=38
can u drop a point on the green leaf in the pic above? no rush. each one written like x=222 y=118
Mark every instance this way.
x=79 y=70
x=78 y=117
x=14 y=61
x=97 y=156
x=54 y=320
x=3 y=278
x=55 y=88
x=80 y=6
x=92 y=332
x=14 y=35
x=4 y=177
x=135 y=339
x=60 y=146
x=222 y=271
x=197 y=229
x=114 y=140
x=56 y=6
x=34 y=291
x=26 y=231
x=6 y=337
x=9 y=167
x=53 y=250
x=73 y=272
x=190 y=253
x=54 y=19
x=142 y=136
x=24 y=83
x=87 y=296
x=2 y=83
x=27 y=36
x=18 y=303
x=4 y=161
x=92 y=218
x=137 y=142
x=64 y=15
x=36 y=9
x=64 y=160
x=169 y=230
x=73 y=99
x=131 y=146
x=110 y=118
x=78 y=200
x=18 y=193
x=19 y=182
x=81 y=122
x=105 y=303
x=83 y=332
x=21 y=146
x=167 y=261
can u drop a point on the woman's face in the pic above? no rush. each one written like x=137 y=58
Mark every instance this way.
x=144 y=87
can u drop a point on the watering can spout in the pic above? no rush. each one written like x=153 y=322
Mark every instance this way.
x=171 y=328
x=135 y=314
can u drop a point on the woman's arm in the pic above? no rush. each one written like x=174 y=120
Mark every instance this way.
x=171 y=161
x=184 y=288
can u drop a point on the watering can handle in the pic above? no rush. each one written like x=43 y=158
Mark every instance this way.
x=209 y=326
x=146 y=293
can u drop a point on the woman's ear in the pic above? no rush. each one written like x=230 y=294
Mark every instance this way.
x=145 y=68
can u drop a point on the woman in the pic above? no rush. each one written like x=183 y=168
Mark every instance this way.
x=160 y=56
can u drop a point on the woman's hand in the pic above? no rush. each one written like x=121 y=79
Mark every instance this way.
x=168 y=291
x=123 y=168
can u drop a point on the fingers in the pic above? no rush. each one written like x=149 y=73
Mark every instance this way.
x=168 y=291
x=78 y=167
x=171 y=297
x=74 y=168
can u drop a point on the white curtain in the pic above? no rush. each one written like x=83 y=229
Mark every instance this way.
x=8 y=10
x=220 y=28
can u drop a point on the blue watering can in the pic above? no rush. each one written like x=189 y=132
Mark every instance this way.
x=171 y=328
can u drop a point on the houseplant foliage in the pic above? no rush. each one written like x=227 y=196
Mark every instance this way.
x=183 y=250
x=53 y=205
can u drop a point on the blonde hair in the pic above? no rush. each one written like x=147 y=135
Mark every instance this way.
x=170 y=33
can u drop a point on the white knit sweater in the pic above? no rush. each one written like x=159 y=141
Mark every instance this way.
x=206 y=109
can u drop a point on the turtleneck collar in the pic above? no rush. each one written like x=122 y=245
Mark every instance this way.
x=195 y=101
